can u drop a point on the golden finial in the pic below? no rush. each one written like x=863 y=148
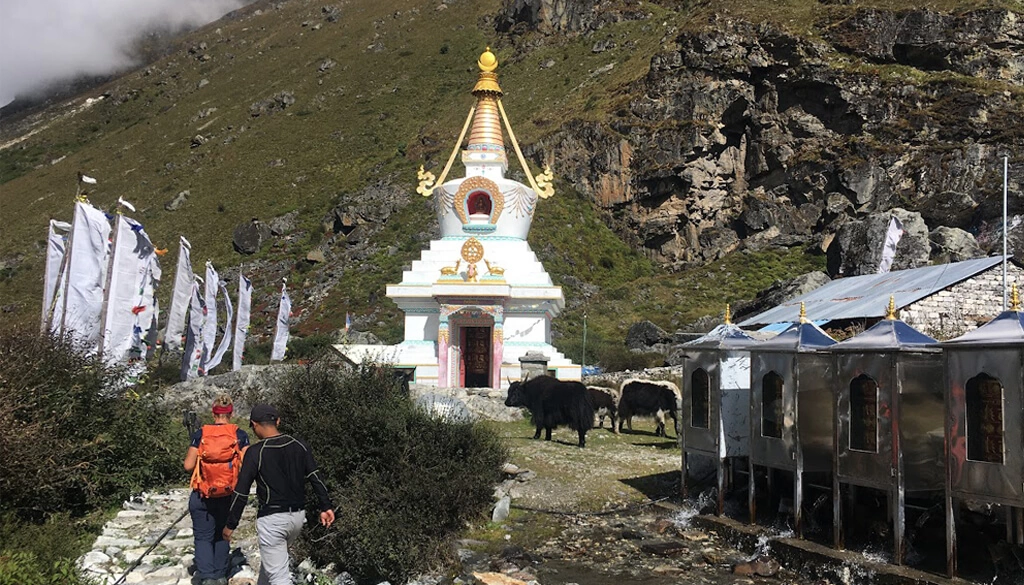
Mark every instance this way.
x=803 y=313
x=1014 y=298
x=728 y=315
x=487 y=84
x=487 y=61
x=890 y=312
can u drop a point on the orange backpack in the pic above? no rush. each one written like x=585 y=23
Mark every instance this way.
x=220 y=458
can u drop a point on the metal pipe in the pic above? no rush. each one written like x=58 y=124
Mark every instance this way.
x=1005 y=173
x=583 y=360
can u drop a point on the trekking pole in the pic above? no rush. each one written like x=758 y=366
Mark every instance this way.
x=138 y=561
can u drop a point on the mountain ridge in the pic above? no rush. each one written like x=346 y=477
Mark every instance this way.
x=376 y=89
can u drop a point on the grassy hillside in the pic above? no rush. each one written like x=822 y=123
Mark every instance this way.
x=394 y=98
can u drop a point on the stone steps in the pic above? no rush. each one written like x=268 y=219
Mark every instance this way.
x=129 y=535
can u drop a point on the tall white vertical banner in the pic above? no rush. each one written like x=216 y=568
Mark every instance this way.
x=225 y=341
x=892 y=237
x=242 y=324
x=180 y=298
x=210 y=325
x=146 y=308
x=284 y=312
x=56 y=241
x=193 y=357
x=86 y=276
x=128 y=263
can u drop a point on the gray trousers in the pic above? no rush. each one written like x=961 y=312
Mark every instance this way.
x=276 y=532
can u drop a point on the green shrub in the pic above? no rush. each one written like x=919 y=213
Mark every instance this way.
x=257 y=354
x=404 y=484
x=42 y=554
x=616 y=357
x=24 y=568
x=311 y=347
x=75 y=440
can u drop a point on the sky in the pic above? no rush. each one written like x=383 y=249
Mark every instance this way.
x=44 y=41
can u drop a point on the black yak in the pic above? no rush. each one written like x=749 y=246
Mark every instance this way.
x=606 y=403
x=553 y=402
x=649 y=398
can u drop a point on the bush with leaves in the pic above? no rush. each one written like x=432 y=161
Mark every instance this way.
x=76 y=439
x=404 y=483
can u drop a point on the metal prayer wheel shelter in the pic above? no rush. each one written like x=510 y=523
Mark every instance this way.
x=888 y=419
x=715 y=414
x=984 y=428
x=791 y=402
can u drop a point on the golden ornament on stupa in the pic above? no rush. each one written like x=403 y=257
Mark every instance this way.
x=472 y=251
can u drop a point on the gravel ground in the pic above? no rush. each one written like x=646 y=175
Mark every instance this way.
x=608 y=514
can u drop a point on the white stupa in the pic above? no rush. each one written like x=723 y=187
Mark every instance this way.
x=478 y=299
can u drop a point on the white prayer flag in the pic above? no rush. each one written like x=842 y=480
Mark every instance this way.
x=892 y=237
x=86 y=179
x=284 y=312
x=242 y=324
x=129 y=258
x=210 y=324
x=125 y=204
x=86 y=275
x=146 y=308
x=56 y=241
x=225 y=341
x=193 y=358
x=180 y=297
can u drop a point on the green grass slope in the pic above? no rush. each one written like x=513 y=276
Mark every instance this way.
x=395 y=98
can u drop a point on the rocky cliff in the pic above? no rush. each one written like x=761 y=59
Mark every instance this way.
x=745 y=135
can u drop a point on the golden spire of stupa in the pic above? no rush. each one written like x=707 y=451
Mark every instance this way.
x=803 y=313
x=890 y=311
x=728 y=315
x=486 y=128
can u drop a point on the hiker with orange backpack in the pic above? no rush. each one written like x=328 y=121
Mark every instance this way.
x=214 y=457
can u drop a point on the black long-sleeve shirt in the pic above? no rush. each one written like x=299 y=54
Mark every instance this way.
x=280 y=467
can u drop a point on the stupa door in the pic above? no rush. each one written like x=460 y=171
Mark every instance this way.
x=475 y=354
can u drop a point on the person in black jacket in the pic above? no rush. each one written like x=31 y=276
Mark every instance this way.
x=280 y=465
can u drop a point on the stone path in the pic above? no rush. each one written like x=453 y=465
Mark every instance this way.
x=143 y=519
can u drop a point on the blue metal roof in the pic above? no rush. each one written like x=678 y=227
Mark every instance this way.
x=1006 y=329
x=858 y=297
x=799 y=337
x=724 y=336
x=888 y=334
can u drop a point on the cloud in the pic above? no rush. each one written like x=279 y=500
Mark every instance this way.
x=45 y=41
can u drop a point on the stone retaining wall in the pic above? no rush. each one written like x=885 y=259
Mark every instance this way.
x=964 y=306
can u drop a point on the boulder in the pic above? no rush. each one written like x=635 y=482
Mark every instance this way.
x=857 y=247
x=952 y=208
x=257 y=382
x=284 y=224
x=180 y=199
x=274 y=103
x=780 y=292
x=353 y=337
x=316 y=256
x=953 y=245
x=248 y=237
x=662 y=548
x=644 y=334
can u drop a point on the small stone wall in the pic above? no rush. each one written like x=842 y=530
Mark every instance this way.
x=964 y=306
x=615 y=379
x=484 y=403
